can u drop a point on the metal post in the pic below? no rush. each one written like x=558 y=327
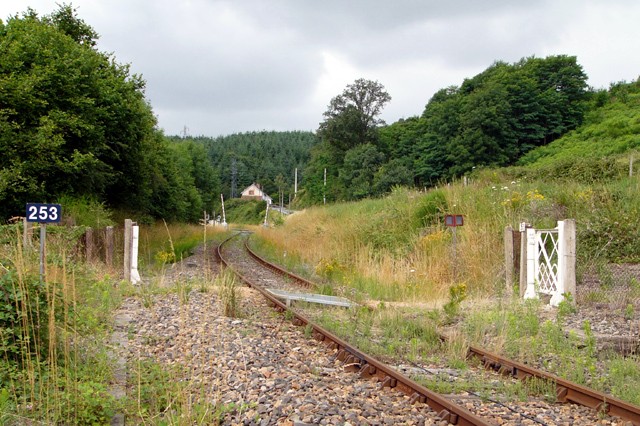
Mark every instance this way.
x=43 y=248
x=455 y=257
x=266 y=214
x=295 y=185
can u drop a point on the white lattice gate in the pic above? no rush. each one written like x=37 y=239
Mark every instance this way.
x=551 y=261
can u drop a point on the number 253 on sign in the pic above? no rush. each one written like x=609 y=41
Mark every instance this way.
x=44 y=213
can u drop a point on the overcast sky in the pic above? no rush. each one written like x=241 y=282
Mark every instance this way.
x=221 y=67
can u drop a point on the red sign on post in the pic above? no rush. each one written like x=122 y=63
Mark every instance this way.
x=454 y=220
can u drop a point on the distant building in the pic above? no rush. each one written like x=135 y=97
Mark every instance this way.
x=254 y=192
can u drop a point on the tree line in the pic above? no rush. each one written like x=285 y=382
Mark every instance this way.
x=74 y=122
x=269 y=158
x=490 y=120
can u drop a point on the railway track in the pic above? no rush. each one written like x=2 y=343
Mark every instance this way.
x=260 y=274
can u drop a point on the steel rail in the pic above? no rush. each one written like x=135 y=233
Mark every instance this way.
x=566 y=391
x=366 y=366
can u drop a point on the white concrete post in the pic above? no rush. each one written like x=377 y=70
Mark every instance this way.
x=531 y=293
x=128 y=223
x=522 y=282
x=557 y=296
x=567 y=257
x=224 y=218
x=135 y=276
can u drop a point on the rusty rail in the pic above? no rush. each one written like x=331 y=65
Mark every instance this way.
x=366 y=366
x=566 y=391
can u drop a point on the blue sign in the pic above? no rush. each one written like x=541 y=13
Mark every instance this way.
x=44 y=213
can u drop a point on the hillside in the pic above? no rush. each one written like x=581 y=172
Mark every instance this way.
x=398 y=245
x=611 y=128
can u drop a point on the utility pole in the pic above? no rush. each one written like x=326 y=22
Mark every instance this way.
x=234 y=177
x=295 y=183
x=324 y=188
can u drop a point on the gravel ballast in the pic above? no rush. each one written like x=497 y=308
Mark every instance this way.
x=272 y=372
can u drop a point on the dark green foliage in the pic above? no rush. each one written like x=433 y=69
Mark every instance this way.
x=396 y=172
x=323 y=157
x=432 y=208
x=350 y=151
x=23 y=316
x=491 y=120
x=71 y=119
x=75 y=123
x=611 y=127
x=351 y=118
x=500 y=114
x=258 y=157
x=358 y=170
x=250 y=212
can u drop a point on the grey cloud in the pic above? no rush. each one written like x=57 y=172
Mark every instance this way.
x=234 y=65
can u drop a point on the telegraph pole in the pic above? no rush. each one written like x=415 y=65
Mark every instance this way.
x=234 y=177
x=324 y=188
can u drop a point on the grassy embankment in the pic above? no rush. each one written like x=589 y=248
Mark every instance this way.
x=396 y=254
x=55 y=363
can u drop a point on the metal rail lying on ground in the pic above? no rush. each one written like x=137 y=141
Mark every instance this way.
x=566 y=391
x=366 y=366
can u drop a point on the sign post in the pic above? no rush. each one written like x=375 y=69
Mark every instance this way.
x=453 y=221
x=43 y=214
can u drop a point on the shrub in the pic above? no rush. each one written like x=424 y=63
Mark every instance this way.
x=432 y=208
x=24 y=315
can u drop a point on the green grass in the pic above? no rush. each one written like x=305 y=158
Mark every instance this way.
x=54 y=366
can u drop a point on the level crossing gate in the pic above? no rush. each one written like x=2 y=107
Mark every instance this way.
x=551 y=255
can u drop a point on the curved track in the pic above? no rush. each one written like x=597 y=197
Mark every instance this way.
x=364 y=365
x=368 y=367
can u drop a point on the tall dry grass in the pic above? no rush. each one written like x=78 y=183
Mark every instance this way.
x=53 y=365
x=386 y=249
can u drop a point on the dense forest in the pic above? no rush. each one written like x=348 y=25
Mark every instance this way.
x=75 y=123
x=269 y=158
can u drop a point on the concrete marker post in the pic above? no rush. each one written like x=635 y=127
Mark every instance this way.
x=508 y=259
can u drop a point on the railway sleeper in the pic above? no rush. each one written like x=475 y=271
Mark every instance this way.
x=448 y=416
x=367 y=371
x=417 y=398
x=389 y=382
